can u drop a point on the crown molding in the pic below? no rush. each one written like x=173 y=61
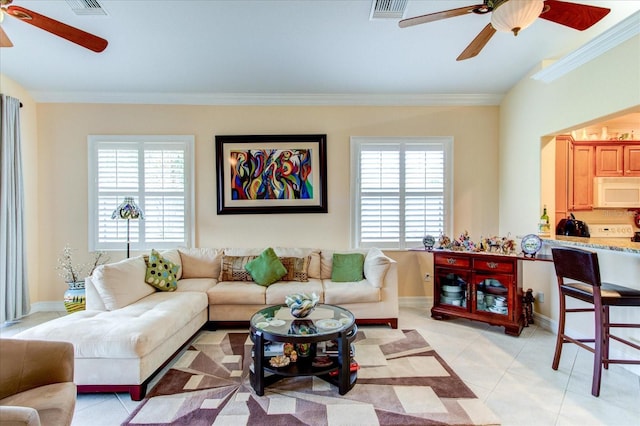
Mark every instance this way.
x=270 y=99
x=609 y=39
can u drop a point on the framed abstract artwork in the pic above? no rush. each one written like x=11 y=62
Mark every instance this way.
x=264 y=174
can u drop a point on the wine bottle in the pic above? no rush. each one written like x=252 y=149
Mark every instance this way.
x=544 y=228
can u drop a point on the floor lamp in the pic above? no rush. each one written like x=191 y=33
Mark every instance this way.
x=128 y=210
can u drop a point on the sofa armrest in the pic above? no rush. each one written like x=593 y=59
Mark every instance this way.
x=19 y=416
x=27 y=364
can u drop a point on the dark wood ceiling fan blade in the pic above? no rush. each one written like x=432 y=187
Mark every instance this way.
x=423 y=19
x=4 y=39
x=572 y=15
x=478 y=43
x=58 y=28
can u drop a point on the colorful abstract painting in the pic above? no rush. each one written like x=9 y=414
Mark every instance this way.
x=271 y=174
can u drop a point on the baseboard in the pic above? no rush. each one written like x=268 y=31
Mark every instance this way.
x=545 y=322
x=55 y=306
x=424 y=302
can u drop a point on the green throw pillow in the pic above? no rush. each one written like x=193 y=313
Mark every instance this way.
x=347 y=267
x=161 y=273
x=266 y=269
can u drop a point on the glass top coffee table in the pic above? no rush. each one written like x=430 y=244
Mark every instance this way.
x=328 y=326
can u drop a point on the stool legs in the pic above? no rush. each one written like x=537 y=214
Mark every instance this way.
x=606 y=333
x=560 y=338
x=600 y=347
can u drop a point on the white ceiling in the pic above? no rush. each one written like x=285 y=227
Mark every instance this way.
x=259 y=47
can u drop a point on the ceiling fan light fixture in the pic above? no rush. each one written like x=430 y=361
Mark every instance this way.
x=515 y=15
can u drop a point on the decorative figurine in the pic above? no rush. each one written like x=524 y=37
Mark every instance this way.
x=527 y=307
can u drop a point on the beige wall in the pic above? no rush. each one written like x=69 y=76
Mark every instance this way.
x=62 y=193
x=28 y=126
x=532 y=112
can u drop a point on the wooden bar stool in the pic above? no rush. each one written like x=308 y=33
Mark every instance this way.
x=582 y=266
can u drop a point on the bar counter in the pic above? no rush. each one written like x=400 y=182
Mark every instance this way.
x=614 y=244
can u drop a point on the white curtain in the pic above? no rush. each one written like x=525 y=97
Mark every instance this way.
x=14 y=293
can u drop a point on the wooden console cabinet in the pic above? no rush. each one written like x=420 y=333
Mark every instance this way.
x=479 y=286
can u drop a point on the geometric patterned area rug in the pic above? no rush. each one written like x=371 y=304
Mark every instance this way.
x=401 y=381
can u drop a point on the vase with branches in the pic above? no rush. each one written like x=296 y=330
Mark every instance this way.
x=73 y=274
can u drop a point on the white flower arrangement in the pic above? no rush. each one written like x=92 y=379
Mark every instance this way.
x=71 y=272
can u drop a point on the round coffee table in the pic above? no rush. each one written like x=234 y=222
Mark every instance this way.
x=327 y=323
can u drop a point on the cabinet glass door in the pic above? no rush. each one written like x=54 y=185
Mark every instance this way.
x=492 y=294
x=452 y=288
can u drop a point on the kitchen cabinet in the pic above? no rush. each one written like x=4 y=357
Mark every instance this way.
x=617 y=160
x=581 y=178
x=562 y=176
x=479 y=286
x=631 y=161
x=574 y=176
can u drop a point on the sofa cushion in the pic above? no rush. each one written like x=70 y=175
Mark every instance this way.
x=161 y=272
x=338 y=293
x=347 y=267
x=233 y=268
x=277 y=292
x=200 y=262
x=236 y=293
x=122 y=283
x=196 y=284
x=131 y=332
x=297 y=268
x=375 y=266
x=266 y=268
x=242 y=251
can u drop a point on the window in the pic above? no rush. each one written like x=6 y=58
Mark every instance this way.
x=157 y=171
x=402 y=190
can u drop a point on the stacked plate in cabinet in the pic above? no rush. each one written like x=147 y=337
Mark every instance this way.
x=452 y=295
x=493 y=297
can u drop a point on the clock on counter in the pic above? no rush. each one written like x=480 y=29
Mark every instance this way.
x=531 y=244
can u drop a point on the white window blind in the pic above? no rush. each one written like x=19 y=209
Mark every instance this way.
x=157 y=172
x=402 y=190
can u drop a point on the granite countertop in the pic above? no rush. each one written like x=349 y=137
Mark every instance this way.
x=616 y=244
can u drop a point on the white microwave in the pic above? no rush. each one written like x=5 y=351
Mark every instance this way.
x=616 y=192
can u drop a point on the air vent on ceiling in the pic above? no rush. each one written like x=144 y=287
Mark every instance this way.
x=388 y=9
x=86 y=7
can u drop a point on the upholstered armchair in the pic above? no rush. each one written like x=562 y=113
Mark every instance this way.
x=36 y=382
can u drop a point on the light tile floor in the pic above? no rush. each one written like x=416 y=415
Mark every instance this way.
x=513 y=376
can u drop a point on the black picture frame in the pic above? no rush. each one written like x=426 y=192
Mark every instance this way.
x=298 y=163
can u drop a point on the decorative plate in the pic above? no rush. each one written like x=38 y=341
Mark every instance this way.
x=531 y=244
x=276 y=322
x=428 y=241
x=328 y=324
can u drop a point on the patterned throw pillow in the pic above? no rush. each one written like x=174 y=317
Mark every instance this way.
x=161 y=273
x=233 y=268
x=297 y=268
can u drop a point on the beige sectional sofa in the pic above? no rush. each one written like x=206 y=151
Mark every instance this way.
x=130 y=330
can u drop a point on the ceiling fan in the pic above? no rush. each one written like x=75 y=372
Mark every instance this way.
x=515 y=15
x=58 y=28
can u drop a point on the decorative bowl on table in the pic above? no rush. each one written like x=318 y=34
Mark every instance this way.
x=301 y=304
x=279 y=361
